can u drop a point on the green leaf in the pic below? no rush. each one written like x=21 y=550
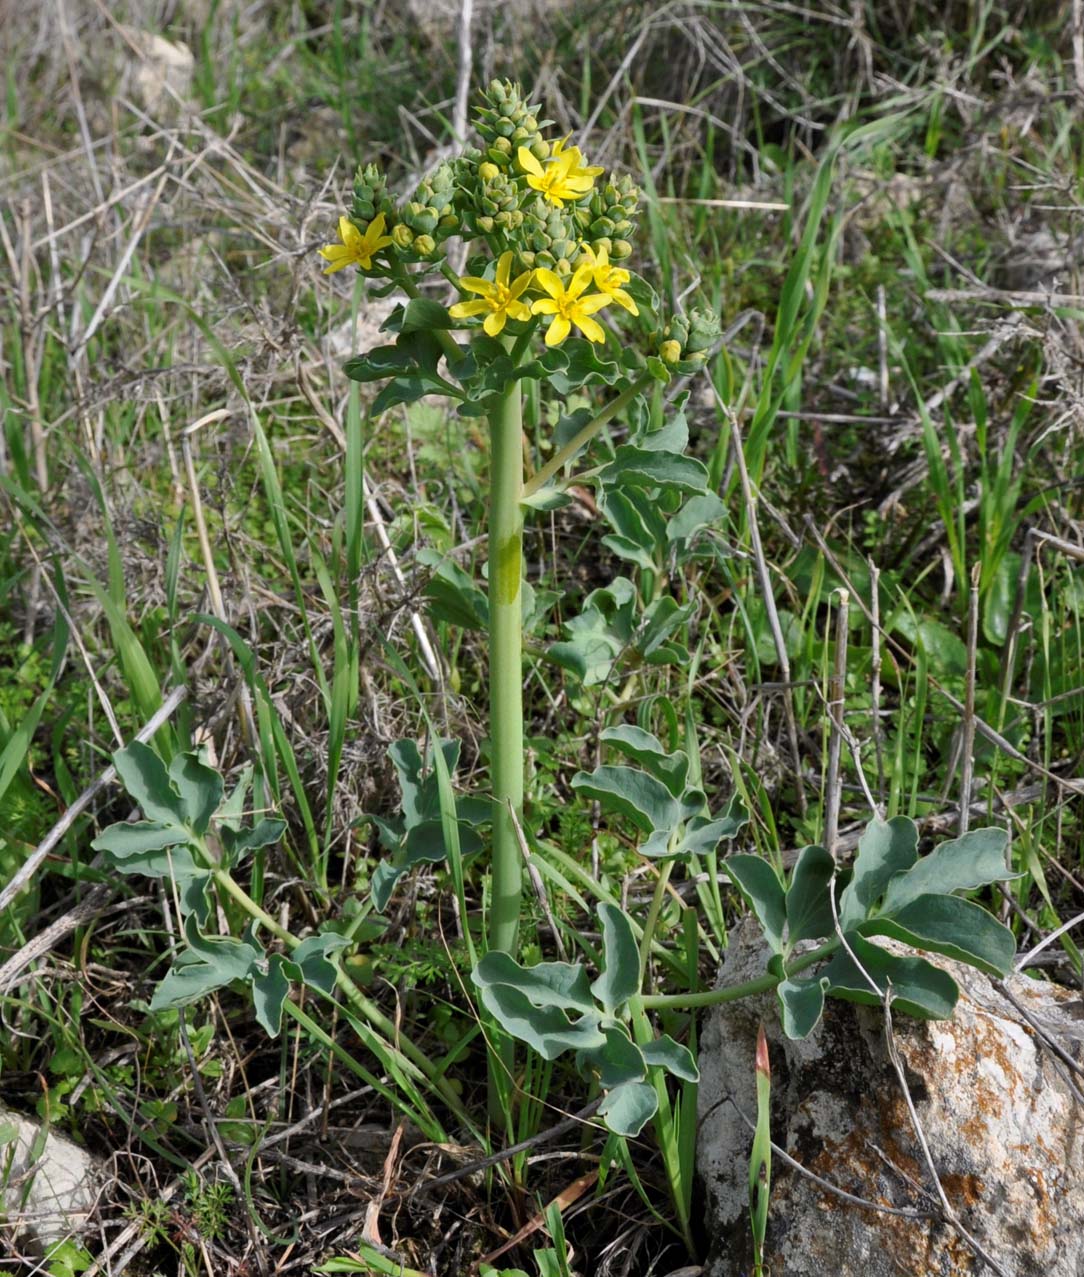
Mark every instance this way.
x=918 y=987
x=644 y=468
x=199 y=788
x=616 y=1062
x=646 y=749
x=619 y=979
x=629 y=1108
x=762 y=891
x=703 y=836
x=423 y=314
x=964 y=864
x=378 y=363
x=576 y=363
x=265 y=833
x=310 y=963
x=548 y=984
x=547 y=1029
x=953 y=926
x=452 y=594
x=885 y=849
x=647 y=802
x=145 y=778
x=801 y=1002
x=400 y=390
x=809 y=908
x=697 y=514
x=130 y=843
x=269 y=990
x=676 y=1059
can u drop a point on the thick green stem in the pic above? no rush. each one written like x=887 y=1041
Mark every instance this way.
x=734 y=992
x=506 y=663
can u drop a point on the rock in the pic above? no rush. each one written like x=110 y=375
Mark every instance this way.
x=160 y=72
x=51 y=1190
x=1005 y=1131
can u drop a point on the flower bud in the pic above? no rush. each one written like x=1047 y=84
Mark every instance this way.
x=425 y=245
x=670 y=352
x=402 y=236
x=620 y=249
x=488 y=171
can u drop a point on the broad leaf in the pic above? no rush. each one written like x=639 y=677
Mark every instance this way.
x=801 y=1002
x=310 y=963
x=547 y=1029
x=667 y=1054
x=269 y=990
x=644 y=748
x=951 y=925
x=703 y=836
x=974 y=860
x=762 y=891
x=809 y=908
x=644 y=468
x=629 y=1108
x=885 y=849
x=147 y=782
x=128 y=843
x=548 y=984
x=423 y=314
x=199 y=788
x=617 y=1061
x=695 y=515
x=647 y=802
x=918 y=987
x=620 y=976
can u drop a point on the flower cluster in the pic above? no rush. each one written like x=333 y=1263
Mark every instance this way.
x=548 y=227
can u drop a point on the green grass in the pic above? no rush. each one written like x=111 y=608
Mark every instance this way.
x=106 y=595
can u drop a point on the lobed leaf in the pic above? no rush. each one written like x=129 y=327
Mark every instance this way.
x=918 y=987
x=619 y=979
x=762 y=891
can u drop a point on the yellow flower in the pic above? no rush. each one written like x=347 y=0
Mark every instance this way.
x=609 y=279
x=579 y=169
x=356 y=249
x=568 y=306
x=499 y=299
x=557 y=181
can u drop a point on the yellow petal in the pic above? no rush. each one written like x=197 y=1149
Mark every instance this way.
x=558 y=330
x=590 y=328
x=623 y=299
x=348 y=231
x=494 y=323
x=589 y=305
x=521 y=284
x=528 y=163
x=376 y=226
x=474 y=284
x=518 y=310
x=464 y=310
x=504 y=269
x=580 y=280
x=544 y=306
x=549 y=282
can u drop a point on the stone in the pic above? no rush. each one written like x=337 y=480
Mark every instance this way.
x=1002 y=1114
x=50 y=1191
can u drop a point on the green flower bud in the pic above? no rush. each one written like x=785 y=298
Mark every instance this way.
x=670 y=352
x=487 y=172
x=425 y=245
x=620 y=249
x=402 y=236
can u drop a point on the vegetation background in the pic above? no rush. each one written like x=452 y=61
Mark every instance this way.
x=919 y=307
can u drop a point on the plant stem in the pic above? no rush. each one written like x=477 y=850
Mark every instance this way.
x=366 y=1009
x=506 y=663
x=653 y=916
x=735 y=992
x=589 y=431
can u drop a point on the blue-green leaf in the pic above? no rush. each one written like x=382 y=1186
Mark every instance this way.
x=646 y=749
x=147 y=782
x=547 y=1029
x=918 y=987
x=199 y=789
x=620 y=976
x=617 y=1061
x=885 y=849
x=547 y=984
x=629 y=1108
x=667 y=1054
x=269 y=990
x=802 y=1002
x=762 y=891
x=129 y=844
x=645 y=468
x=974 y=860
x=951 y=925
x=809 y=908
x=647 y=802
